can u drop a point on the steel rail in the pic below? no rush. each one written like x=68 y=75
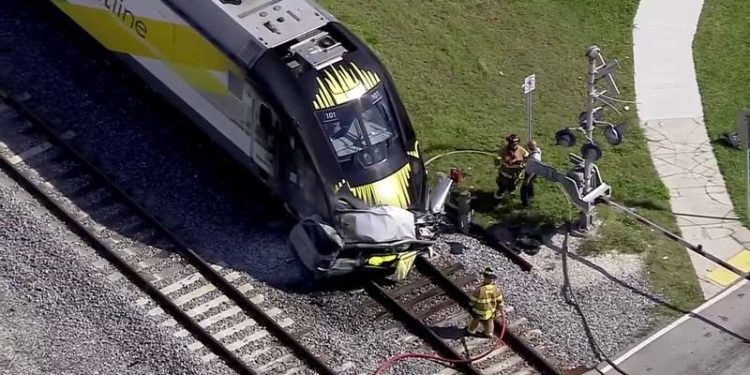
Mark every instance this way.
x=515 y=342
x=107 y=252
x=201 y=265
x=415 y=326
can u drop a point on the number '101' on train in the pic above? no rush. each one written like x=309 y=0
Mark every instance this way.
x=300 y=101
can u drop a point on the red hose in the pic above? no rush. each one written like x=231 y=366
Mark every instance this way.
x=435 y=358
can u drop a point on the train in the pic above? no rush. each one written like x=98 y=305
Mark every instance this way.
x=302 y=103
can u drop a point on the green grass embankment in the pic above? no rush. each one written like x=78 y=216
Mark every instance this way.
x=722 y=53
x=459 y=66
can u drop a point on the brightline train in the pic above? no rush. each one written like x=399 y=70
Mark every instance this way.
x=298 y=100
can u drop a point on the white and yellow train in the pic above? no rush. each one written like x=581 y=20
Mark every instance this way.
x=299 y=100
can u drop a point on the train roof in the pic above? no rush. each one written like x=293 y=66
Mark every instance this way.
x=294 y=64
x=274 y=22
x=249 y=28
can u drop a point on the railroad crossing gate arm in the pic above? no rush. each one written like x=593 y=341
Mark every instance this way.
x=571 y=186
x=438 y=195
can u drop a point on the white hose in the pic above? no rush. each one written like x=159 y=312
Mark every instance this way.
x=458 y=152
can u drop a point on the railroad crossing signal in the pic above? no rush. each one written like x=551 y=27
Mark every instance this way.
x=593 y=116
x=589 y=120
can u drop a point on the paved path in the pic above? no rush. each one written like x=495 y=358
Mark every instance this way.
x=671 y=112
x=714 y=340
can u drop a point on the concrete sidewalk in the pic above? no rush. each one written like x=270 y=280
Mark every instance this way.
x=671 y=112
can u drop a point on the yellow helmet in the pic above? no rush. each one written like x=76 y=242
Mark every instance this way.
x=489 y=273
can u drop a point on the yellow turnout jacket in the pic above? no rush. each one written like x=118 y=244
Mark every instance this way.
x=486 y=300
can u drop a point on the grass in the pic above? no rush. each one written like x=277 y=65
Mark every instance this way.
x=459 y=66
x=721 y=59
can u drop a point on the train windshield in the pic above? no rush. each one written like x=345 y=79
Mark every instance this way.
x=361 y=128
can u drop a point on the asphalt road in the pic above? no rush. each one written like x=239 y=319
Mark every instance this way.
x=714 y=340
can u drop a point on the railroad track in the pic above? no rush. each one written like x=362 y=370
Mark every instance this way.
x=215 y=309
x=433 y=308
x=486 y=236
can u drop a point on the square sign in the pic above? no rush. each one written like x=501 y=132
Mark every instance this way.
x=743 y=127
x=529 y=84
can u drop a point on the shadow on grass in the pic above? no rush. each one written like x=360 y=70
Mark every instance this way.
x=510 y=211
x=648 y=204
x=724 y=142
x=655 y=299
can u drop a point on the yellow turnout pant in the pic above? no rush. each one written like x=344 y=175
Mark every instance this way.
x=489 y=325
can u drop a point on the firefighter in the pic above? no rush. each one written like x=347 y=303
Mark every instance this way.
x=462 y=197
x=510 y=163
x=486 y=302
x=457 y=175
x=527 y=188
x=464 y=212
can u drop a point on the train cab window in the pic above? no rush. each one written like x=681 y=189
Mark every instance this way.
x=377 y=123
x=364 y=127
x=345 y=136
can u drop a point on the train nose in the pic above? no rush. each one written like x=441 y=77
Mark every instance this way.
x=393 y=190
x=363 y=235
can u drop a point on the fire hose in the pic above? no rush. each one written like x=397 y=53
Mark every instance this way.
x=570 y=296
x=434 y=358
x=568 y=293
x=468 y=151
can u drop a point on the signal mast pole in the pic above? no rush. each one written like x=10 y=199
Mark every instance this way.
x=592 y=53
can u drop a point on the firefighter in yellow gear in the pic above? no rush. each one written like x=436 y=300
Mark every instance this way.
x=510 y=163
x=486 y=301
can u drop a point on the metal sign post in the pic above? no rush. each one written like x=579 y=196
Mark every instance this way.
x=529 y=84
x=743 y=130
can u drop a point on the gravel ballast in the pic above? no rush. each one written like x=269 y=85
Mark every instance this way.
x=611 y=289
x=226 y=219
x=60 y=316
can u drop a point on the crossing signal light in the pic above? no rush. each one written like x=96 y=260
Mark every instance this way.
x=591 y=152
x=615 y=134
x=565 y=137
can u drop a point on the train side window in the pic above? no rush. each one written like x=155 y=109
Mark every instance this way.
x=265 y=132
x=235 y=84
x=266 y=118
